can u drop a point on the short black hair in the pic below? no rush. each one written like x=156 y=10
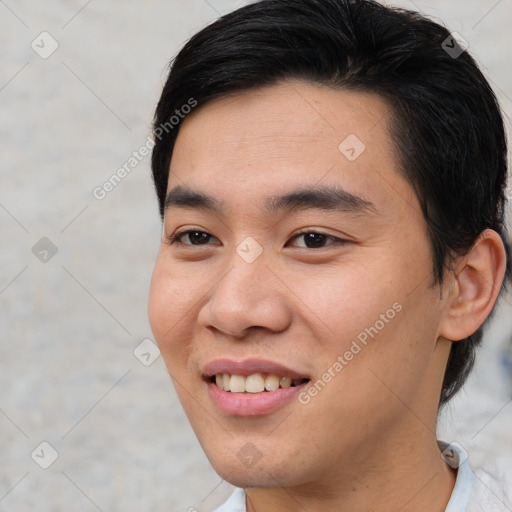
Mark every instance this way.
x=446 y=123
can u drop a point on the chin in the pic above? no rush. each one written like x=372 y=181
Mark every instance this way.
x=260 y=477
x=265 y=472
x=249 y=479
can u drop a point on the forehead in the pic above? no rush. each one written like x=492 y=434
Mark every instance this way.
x=292 y=133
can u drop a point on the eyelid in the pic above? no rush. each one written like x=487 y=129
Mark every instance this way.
x=173 y=238
x=318 y=231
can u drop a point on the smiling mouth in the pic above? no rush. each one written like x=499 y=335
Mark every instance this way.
x=255 y=383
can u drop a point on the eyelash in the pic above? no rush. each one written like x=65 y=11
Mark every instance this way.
x=175 y=239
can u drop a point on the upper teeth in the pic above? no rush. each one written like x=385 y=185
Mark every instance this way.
x=255 y=383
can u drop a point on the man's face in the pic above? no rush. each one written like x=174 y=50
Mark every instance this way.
x=346 y=310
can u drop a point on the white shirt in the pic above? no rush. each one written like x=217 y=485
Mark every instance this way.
x=474 y=491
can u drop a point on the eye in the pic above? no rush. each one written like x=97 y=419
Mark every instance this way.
x=194 y=236
x=311 y=239
x=315 y=240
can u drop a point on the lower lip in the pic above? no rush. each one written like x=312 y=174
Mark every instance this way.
x=251 y=404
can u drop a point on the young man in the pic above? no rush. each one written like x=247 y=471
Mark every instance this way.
x=331 y=179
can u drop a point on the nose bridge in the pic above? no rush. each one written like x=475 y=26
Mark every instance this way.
x=246 y=295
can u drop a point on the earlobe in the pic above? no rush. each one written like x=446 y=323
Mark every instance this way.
x=478 y=279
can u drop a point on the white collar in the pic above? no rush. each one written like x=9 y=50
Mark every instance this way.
x=453 y=453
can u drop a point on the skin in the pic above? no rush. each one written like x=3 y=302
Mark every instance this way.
x=367 y=440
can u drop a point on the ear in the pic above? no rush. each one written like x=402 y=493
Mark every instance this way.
x=476 y=283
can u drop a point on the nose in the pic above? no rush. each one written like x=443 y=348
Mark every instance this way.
x=249 y=296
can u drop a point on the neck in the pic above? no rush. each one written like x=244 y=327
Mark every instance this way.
x=405 y=475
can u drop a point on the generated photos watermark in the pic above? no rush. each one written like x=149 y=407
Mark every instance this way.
x=355 y=348
x=101 y=191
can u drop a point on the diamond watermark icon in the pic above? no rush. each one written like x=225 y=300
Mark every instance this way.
x=454 y=45
x=351 y=147
x=44 y=250
x=44 y=45
x=248 y=249
x=44 y=455
x=454 y=455
x=249 y=455
x=146 y=352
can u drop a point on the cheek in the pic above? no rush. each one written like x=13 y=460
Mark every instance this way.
x=343 y=300
x=376 y=320
x=171 y=299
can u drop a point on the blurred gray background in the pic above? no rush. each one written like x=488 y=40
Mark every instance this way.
x=75 y=269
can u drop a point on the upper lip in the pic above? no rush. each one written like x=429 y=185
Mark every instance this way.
x=248 y=367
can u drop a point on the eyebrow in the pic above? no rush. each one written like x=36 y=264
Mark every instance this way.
x=324 y=198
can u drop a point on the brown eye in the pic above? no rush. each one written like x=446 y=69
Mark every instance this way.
x=315 y=240
x=195 y=237
x=198 y=237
